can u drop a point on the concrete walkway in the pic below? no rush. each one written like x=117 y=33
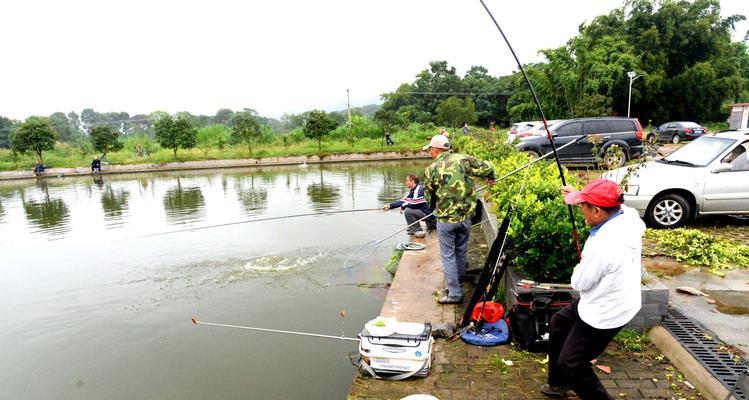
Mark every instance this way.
x=412 y=295
x=462 y=371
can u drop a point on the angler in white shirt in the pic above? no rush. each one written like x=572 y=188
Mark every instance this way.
x=608 y=280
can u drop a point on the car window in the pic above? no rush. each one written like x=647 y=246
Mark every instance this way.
x=738 y=157
x=671 y=126
x=595 y=127
x=662 y=127
x=700 y=152
x=689 y=125
x=622 y=125
x=571 y=129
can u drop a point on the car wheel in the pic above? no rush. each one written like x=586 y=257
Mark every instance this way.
x=532 y=154
x=676 y=139
x=614 y=158
x=669 y=211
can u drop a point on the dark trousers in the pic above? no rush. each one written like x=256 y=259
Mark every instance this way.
x=572 y=344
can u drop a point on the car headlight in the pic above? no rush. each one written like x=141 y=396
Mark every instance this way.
x=632 y=190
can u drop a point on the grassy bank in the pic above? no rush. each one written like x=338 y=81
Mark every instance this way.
x=69 y=155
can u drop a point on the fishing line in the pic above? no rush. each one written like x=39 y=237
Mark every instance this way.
x=196 y=322
x=546 y=125
x=366 y=250
x=197 y=228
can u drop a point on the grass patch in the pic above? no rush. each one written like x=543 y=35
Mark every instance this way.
x=392 y=264
x=69 y=155
x=631 y=340
x=698 y=248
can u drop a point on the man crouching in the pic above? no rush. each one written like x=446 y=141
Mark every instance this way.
x=414 y=207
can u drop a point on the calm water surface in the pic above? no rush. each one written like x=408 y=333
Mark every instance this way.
x=91 y=309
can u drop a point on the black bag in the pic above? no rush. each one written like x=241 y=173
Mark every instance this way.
x=531 y=315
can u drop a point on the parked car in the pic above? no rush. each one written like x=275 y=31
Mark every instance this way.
x=521 y=127
x=708 y=176
x=679 y=131
x=538 y=129
x=623 y=132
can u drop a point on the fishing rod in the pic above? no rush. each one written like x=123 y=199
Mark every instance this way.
x=546 y=125
x=524 y=166
x=250 y=328
x=197 y=228
x=366 y=250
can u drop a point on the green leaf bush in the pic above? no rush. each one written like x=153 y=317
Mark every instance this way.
x=698 y=248
x=540 y=237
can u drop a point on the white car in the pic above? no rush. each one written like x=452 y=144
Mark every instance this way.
x=708 y=176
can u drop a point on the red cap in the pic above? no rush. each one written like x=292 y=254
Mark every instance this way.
x=598 y=192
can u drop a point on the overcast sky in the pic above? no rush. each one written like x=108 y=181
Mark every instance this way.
x=276 y=56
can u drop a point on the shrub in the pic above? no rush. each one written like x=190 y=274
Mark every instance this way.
x=540 y=239
x=699 y=248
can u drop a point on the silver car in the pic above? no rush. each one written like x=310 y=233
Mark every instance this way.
x=709 y=176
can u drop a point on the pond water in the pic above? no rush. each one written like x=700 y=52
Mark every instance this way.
x=94 y=306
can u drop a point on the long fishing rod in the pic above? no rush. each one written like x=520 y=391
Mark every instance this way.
x=524 y=166
x=366 y=250
x=196 y=322
x=546 y=125
x=197 y=228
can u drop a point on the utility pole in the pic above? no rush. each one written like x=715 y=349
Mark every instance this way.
x=632 y=76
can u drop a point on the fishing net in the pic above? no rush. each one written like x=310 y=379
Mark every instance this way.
x=360 y=254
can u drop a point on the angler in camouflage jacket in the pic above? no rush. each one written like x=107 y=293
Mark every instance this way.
x=449 y=190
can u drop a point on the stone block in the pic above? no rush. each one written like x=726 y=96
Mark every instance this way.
x=656 y=296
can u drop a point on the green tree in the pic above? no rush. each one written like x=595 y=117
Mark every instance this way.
x=212 y=136
x=246 y=129
x=63 y=127
x=6 y=127
x=105 y=139
x=318 y=125
x=174 y=134
x=454 y=112
x=35 y=134
x=223 y=116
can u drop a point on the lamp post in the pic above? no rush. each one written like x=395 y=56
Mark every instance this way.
x=632 y=76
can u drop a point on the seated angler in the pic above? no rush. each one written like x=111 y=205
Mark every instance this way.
x=96 y=165
x=414 y=207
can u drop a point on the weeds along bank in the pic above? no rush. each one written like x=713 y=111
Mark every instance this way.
x=144 y=149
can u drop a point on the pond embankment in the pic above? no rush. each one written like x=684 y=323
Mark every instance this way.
x=211 y=164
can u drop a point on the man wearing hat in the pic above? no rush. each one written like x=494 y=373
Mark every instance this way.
x=608 y=280
x=449 y=190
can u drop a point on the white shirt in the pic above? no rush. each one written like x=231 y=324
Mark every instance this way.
x=609 y=274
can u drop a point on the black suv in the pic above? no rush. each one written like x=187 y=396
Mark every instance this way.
x=623 y=132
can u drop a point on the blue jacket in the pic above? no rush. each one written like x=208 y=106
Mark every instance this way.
x=414 y=199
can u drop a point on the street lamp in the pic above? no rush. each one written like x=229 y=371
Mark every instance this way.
x=632 y=76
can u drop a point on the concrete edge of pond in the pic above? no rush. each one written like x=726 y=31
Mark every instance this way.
x=693 y=371
x=212 y=164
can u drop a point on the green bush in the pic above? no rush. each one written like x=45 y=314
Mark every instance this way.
x=540 y=237
x=699 y=248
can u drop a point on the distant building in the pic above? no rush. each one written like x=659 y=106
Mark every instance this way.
x=739 y=116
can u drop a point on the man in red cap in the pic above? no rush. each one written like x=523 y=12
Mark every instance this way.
x=608 y=280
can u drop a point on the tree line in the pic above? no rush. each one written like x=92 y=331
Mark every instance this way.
x=687 y=68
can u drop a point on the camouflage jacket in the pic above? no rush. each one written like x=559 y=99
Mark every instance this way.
x=449 y=186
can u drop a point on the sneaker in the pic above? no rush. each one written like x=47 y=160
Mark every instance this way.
x=557 y=392
x=450 y=300
x=420 y=234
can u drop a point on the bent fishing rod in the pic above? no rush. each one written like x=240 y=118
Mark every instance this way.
x=366 y=250
x=546 y=124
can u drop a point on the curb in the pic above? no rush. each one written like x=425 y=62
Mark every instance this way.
x=693 y=371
